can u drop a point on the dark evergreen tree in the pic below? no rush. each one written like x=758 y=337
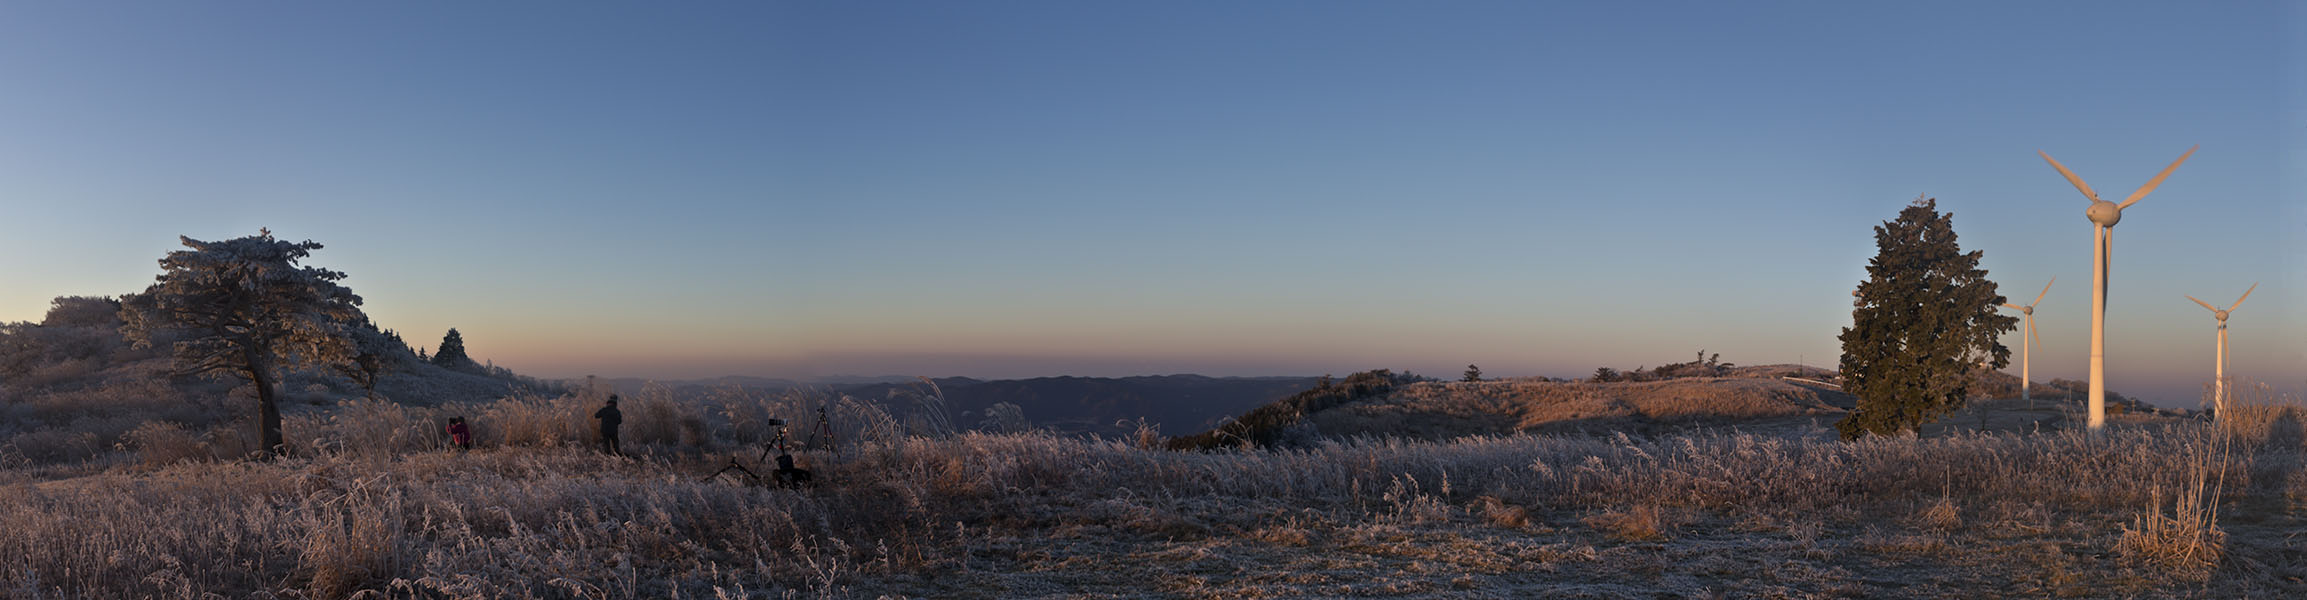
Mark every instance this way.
x=1473 y=373
x=452 y=351
x=1926 y=316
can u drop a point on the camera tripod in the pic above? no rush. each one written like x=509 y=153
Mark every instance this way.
x=777 y=444
x=823 y=437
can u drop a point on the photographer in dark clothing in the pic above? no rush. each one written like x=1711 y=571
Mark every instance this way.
x=610 y=419
x=790 y=476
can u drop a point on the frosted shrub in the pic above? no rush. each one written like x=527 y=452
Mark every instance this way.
x=229 y=442
x=352 y=543
x=654 y=416
x=368 y=427
x=1004 y=417
x=2256 y=412
x=1406 y=505
x=161 y=443
x=525 y=420
x=54 y=446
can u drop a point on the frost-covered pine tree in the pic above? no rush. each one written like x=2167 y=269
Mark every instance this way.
x=452 y=351
x=375 y=353
x=244 y=308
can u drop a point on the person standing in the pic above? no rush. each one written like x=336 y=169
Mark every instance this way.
x=610 y=419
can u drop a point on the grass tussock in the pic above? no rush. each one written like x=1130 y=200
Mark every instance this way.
x=1941 y=515
x=1637 y=523
x=2185 y=541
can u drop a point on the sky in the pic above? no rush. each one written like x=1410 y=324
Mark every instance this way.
x=1017 y=189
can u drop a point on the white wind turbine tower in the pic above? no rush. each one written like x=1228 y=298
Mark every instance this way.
x=2219 y=383
x=2027 y=343
x=2104 y=215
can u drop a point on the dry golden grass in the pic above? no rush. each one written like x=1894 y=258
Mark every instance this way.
x=1498 y=512
x=371 y=507
x=1638 y=523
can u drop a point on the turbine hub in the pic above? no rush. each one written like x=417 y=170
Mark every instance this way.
x=2105 y=213
x=2028 y=311
x=2222 y=316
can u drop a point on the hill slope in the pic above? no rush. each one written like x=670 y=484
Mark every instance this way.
x=1435 y=410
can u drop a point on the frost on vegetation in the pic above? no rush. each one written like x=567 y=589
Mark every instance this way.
x=370 y=503
x=1004 y=417
x=374 y=504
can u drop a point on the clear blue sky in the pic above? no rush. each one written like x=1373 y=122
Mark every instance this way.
x=1099 y=188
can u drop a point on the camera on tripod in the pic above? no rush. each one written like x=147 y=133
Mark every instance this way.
x=778 y=444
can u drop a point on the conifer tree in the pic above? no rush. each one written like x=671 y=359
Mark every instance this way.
x=244 y=308
x=375 y=352
x=452 y=351
x=1926 y=315
x=1473 y=373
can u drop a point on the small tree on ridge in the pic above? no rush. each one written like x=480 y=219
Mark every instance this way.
x=452 y=351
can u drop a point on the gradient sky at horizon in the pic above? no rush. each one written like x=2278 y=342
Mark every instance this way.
x=1019 y=189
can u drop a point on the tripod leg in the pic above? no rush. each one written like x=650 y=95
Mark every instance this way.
x=733 y=466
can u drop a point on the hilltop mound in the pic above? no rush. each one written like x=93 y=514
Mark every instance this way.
x=1445 y=410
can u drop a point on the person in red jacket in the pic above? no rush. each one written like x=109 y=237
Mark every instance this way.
x=459 y=434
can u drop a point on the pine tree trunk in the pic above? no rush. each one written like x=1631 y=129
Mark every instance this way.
x=267 y=410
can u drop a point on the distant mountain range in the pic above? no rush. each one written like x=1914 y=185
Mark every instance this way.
x=1177 y=403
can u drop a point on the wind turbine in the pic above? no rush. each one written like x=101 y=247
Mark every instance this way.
x=2104 y=215
x=2219 y=391
x=2027 y=343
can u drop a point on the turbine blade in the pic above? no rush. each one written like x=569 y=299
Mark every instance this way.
x=2046 y=291
x=2015 y=307
x=2246 y=296
x=2071 y=178
x=2206 y=305
x=2032 y=334
x=2158 y=180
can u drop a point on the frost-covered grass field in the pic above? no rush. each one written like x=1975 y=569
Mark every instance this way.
x=369 y=506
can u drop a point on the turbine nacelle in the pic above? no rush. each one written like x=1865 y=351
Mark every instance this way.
x=2104 y=213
